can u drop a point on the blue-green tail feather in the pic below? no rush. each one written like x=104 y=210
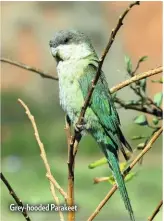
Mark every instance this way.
x=114 y=165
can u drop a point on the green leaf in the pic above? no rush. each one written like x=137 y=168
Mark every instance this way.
x=114 y=95
x=141 y=146
x=158 y=81
x=161 y=80
x=155 y=121
x=111 y=180
x=138 y=137
x=158 y=98
x=128 y=177
x=144 y=58
x=141 y=120
x=123 y=165
x=128 y=64
x=143 y=84
x=97 y=163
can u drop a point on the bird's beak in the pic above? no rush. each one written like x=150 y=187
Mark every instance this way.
x=54 y=51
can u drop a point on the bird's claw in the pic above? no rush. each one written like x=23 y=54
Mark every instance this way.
x=79 y=127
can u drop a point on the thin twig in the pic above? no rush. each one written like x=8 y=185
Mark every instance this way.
x=70 y=191
x=144 y=109
x=45 y=161
x=136 y=78
x=157 y=111
x=135 y=70
x=114 y=188
x=141 y=93
x=100 y=179
x=157 y=209
x=55 y=183
x=42 y=73
x=56 y=199
x=153 y=103
x=15 y=197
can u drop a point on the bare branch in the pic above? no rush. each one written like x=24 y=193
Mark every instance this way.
x=55 y=183
x=15 y=197
x=141 y=108
x=100 y=179
x=70 y=162
x=45 y=161
x=136 y=78
x=114 y=188
x=43 y=74
x=56 y=199
x=157 y=209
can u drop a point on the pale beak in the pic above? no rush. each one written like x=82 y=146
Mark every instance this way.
x=54 y=51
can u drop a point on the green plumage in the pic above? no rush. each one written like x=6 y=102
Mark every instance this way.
x=103 y=107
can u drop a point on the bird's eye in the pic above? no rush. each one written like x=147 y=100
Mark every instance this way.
x=66 y=40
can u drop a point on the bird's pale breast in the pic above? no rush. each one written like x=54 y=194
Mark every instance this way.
x=71 y=97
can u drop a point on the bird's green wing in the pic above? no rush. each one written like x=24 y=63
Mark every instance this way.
x=101 y=101
x=102 y=104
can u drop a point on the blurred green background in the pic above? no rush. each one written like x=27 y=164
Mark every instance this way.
x=26 y=30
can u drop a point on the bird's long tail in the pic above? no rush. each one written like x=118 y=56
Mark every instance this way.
x=114 y=165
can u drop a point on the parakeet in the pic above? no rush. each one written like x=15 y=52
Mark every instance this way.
x=77 y=63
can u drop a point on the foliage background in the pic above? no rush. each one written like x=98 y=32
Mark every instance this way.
x=26 y=30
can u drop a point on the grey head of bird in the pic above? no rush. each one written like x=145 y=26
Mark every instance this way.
x=70 y=44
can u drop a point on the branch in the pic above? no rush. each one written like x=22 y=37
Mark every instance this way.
x=70 y=190
x=144 y=109
x=136 y=78
x=53 y=182
x=154 y=104
x=100 y=179
x=114 y=188
x=135 y=70
x=16 y=198
x=140 y=90
x=157 y=209
x=29 y=68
